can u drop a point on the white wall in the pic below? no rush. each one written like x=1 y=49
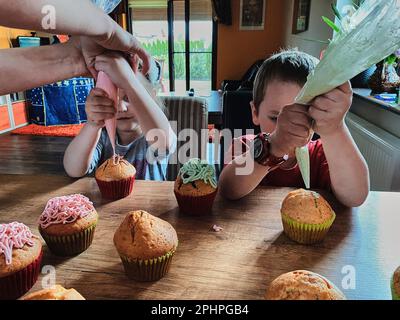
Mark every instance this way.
x=310 y=41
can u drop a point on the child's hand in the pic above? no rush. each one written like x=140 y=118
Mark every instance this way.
x=116 y=67
x=99 y=107
x=329 y=110
x=293 y=129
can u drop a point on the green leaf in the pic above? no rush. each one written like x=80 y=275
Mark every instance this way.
x=391 y=59
x=336 y=12
x=331 y=24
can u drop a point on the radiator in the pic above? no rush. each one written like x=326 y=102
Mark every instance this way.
x=380 y=149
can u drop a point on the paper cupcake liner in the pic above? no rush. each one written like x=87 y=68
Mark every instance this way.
x=115 y=190
x=305 y=233
x=395 y=296
x=147 y=270
x=16 y=285
x=195 y=205
x=69 y=245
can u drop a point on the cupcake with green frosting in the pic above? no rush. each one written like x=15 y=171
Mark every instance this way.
x=306 y=216
x=196 y=187
x=395 y=284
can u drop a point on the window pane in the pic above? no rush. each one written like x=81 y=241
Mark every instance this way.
x=200 y=72
x=201 y=34
x=180 y=72
x=153 y=34
x=201 y=26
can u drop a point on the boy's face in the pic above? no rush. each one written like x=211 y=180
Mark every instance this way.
x=126 y=118
x=277 y=95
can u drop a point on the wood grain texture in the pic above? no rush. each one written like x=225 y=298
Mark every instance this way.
x=32 y=154
x=237 y=263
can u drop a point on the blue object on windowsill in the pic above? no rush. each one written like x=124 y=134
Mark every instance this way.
x=386 y=97
x=26 y=42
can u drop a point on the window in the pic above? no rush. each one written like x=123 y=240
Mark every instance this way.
x=181 y=35
x=150 y=27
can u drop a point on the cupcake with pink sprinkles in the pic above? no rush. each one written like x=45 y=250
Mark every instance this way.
x=20 y=260
x=67 y=224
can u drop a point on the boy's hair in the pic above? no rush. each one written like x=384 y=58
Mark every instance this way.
x=287 y=66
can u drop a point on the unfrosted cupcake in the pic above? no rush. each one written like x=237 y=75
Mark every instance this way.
x=56 y=293
x=303 y=285
x=196 y=187
x=146 y=245
x=306 y=216
x=67 y=224
x=20 y=260
x=115 y=178
x=395 y=284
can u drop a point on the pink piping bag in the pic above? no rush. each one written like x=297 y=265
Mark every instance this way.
x=105 y=83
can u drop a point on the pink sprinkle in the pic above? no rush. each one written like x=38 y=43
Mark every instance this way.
x=66 y=209
x=217 y=228
x=14 y=235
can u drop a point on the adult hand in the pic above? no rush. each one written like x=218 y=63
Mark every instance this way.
x=119 y=41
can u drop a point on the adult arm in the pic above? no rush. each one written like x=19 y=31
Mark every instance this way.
x=75 y=17
x=24 y=68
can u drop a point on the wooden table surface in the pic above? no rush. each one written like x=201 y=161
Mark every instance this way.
x=237 y=263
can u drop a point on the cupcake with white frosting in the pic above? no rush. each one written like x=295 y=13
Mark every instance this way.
x=196 y=187
x=67 y=224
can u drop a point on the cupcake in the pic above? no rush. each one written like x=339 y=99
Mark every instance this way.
x=306 y=216
x=303 y=285
x=67 y=224
x=196 y=187
x=55 y=293
x=146 y=245
x=20 y=260
x=115 y=178
x=395 y=284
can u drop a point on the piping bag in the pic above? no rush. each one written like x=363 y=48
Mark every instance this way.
x=103 y=81
x=363 y=38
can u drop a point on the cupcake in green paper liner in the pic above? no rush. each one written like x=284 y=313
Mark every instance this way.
x=196 y=187
x=146 y=245
x=67 y=224
x=395 y=284
x=306 y=216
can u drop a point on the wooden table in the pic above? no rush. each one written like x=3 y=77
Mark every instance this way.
x=237 y=263
x=214 y=103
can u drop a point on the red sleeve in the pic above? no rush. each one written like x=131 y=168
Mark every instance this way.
x=319 y=169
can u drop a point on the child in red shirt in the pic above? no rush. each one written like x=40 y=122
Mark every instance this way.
x=335 y=161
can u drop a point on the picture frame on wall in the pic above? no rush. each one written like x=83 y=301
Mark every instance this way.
x=252 y=14
x=301 y=16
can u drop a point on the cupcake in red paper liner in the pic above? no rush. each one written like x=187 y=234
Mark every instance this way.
x=146 y=245
x=196 y=187
x=67 y=224
x=115 y=178
x=20 y=260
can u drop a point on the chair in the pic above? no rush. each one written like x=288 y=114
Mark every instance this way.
x=186 y=113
